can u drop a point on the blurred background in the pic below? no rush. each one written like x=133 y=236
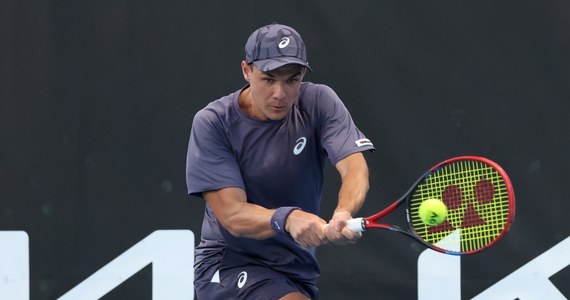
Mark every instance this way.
x=97 y=100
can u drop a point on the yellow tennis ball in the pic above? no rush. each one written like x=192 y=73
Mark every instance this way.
x=432 y=212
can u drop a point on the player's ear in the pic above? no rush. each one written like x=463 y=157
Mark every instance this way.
x=246 y=70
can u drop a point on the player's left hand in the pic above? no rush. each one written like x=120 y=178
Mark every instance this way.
x=336 y=231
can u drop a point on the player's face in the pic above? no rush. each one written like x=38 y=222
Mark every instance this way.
x=273 y=93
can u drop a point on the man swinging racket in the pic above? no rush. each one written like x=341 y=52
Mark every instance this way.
x=257 y=156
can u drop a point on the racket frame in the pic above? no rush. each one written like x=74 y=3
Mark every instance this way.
x=361 y=224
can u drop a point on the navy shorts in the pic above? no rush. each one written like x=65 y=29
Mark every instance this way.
x=233 y=276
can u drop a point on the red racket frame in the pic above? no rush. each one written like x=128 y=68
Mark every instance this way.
x=370 y=222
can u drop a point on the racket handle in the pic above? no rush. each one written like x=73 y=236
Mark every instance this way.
x=356 y=224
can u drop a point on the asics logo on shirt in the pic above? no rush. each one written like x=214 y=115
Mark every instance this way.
x=301 y=142
x=242 y=278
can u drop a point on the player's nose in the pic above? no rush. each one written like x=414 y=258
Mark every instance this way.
x=279 y=91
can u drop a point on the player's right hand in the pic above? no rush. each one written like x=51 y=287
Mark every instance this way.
x=336 y=231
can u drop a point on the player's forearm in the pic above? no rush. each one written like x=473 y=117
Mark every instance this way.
x=237 y=216
x=250 y=221
x=355 y=183
x=353 y=192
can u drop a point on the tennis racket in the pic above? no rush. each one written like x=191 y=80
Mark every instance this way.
x=480 y=203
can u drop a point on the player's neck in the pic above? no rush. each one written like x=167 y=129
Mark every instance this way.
x=245 y=102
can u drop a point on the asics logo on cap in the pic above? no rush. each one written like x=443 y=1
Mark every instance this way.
x=284 y=42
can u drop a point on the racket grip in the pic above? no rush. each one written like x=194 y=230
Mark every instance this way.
x=356 y=224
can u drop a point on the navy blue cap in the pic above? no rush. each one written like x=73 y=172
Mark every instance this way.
x=275 y=45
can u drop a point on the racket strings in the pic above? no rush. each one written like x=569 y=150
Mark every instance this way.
x=477 y=200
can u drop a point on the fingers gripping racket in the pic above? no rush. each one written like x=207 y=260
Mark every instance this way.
x=479 y=199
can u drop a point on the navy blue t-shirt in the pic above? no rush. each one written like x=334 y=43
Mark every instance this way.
x=277 y=163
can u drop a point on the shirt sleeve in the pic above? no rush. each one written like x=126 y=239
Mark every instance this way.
x=338 y=134
x=210 y=162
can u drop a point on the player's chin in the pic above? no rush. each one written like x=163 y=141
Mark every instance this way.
x=277 y=113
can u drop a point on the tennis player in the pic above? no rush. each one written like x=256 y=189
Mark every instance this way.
x=257 y=156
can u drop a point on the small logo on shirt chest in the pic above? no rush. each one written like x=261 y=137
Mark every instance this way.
x=301 y=143
x=242 y=278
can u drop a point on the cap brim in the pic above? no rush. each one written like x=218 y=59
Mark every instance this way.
x=266 y=65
